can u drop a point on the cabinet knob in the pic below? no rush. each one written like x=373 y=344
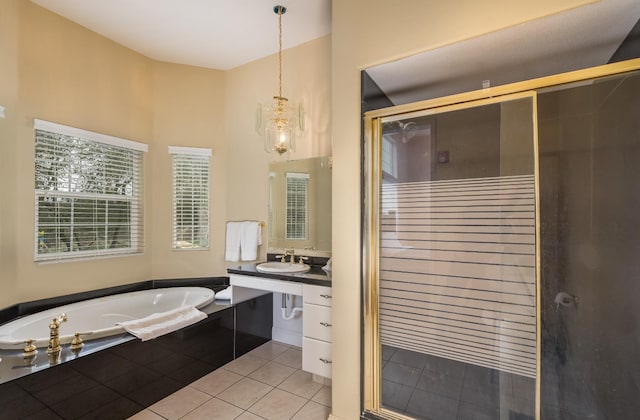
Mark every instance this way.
x=325 y=361
x=325 y=324
x=326 y=296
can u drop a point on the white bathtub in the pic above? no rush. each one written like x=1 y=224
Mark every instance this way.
x=99 y=316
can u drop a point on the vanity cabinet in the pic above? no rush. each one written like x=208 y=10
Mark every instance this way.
x=316 y=330
x=316 y=315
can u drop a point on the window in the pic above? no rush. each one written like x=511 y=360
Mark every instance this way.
x=297 y=215
x=190 y=197
x=88 y=194
x=389 y=157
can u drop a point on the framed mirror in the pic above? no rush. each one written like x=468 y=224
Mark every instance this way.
x=300 y=206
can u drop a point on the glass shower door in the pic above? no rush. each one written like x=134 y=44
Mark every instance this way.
x=452 y=262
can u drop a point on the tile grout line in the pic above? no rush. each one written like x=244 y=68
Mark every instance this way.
x=246 y=376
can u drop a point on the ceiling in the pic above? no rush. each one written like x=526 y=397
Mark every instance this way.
x=579 y=38
x=223 y=34
x=218 y=34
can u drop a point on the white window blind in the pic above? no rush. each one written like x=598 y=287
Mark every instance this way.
x=297 y=203
x=88 y=194
x=190 y=197
x=389 y=157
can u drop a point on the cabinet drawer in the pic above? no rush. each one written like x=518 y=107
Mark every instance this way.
x=316 y=357
x=316 y=322
x=317 y=295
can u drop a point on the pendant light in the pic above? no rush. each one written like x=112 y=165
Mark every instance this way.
x=279 y=121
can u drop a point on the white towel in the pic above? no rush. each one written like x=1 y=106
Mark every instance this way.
x=224 y=294
x=234 y=231
x=158 y=324
x=250 y=238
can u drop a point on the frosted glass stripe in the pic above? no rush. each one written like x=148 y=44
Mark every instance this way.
x=457 y=270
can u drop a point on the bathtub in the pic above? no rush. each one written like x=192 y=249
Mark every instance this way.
x=99 y=316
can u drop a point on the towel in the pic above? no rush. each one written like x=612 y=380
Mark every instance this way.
x=327 y=267
x=234 y=230
x=224 y=294
x=250 y=238
x=158 y=324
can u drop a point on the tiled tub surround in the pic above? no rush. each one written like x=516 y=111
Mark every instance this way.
x=10 y=359
x=117 y=377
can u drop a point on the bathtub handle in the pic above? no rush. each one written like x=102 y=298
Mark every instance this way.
x=76 y=343
x=30 y=349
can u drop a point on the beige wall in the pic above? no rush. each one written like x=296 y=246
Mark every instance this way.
x=245 y=86
x=8 y=99
x=69 y=75
x=56 y=70
x=188 y=111
x=365 y=33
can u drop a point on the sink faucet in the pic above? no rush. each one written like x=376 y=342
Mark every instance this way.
x=289 y=252
x=54 y=341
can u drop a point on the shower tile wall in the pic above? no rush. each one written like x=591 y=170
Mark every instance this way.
x=590 y=218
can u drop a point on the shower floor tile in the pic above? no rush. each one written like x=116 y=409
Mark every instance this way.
x=448 y=389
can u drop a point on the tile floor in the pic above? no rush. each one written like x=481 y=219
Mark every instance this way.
x=266 y=383
x=429 y=387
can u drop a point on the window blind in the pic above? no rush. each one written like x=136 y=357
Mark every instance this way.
x=190 y=197
x=88 y=194
x=297 y=212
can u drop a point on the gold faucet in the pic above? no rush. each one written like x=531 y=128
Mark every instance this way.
x=289 y=252
x=54 y=341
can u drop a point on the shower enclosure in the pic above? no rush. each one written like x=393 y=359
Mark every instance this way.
x=502 y=230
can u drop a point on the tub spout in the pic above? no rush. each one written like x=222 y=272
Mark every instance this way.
x=54 y=340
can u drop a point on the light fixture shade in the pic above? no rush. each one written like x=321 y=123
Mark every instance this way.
x=279 y=122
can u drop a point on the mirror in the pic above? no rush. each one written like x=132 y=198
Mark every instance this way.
x=300 y=206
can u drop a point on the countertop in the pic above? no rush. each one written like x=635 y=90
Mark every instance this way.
x=316 y=275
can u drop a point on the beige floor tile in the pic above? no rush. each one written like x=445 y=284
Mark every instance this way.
x=216 y=382
x=245 y=365
x=278 y=405
x=323 y=396
x=301 y=383
x=291 y=357
x=214 y=409
x=313 y=411
x=146 y=415
x=245 y=393
x=272 y=373
x=180 y=403
x=249 y=416
x=269 y=350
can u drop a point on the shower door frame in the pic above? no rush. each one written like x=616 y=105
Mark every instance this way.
x=372 y=179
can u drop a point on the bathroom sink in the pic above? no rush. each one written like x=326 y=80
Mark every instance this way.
x=280 y=267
